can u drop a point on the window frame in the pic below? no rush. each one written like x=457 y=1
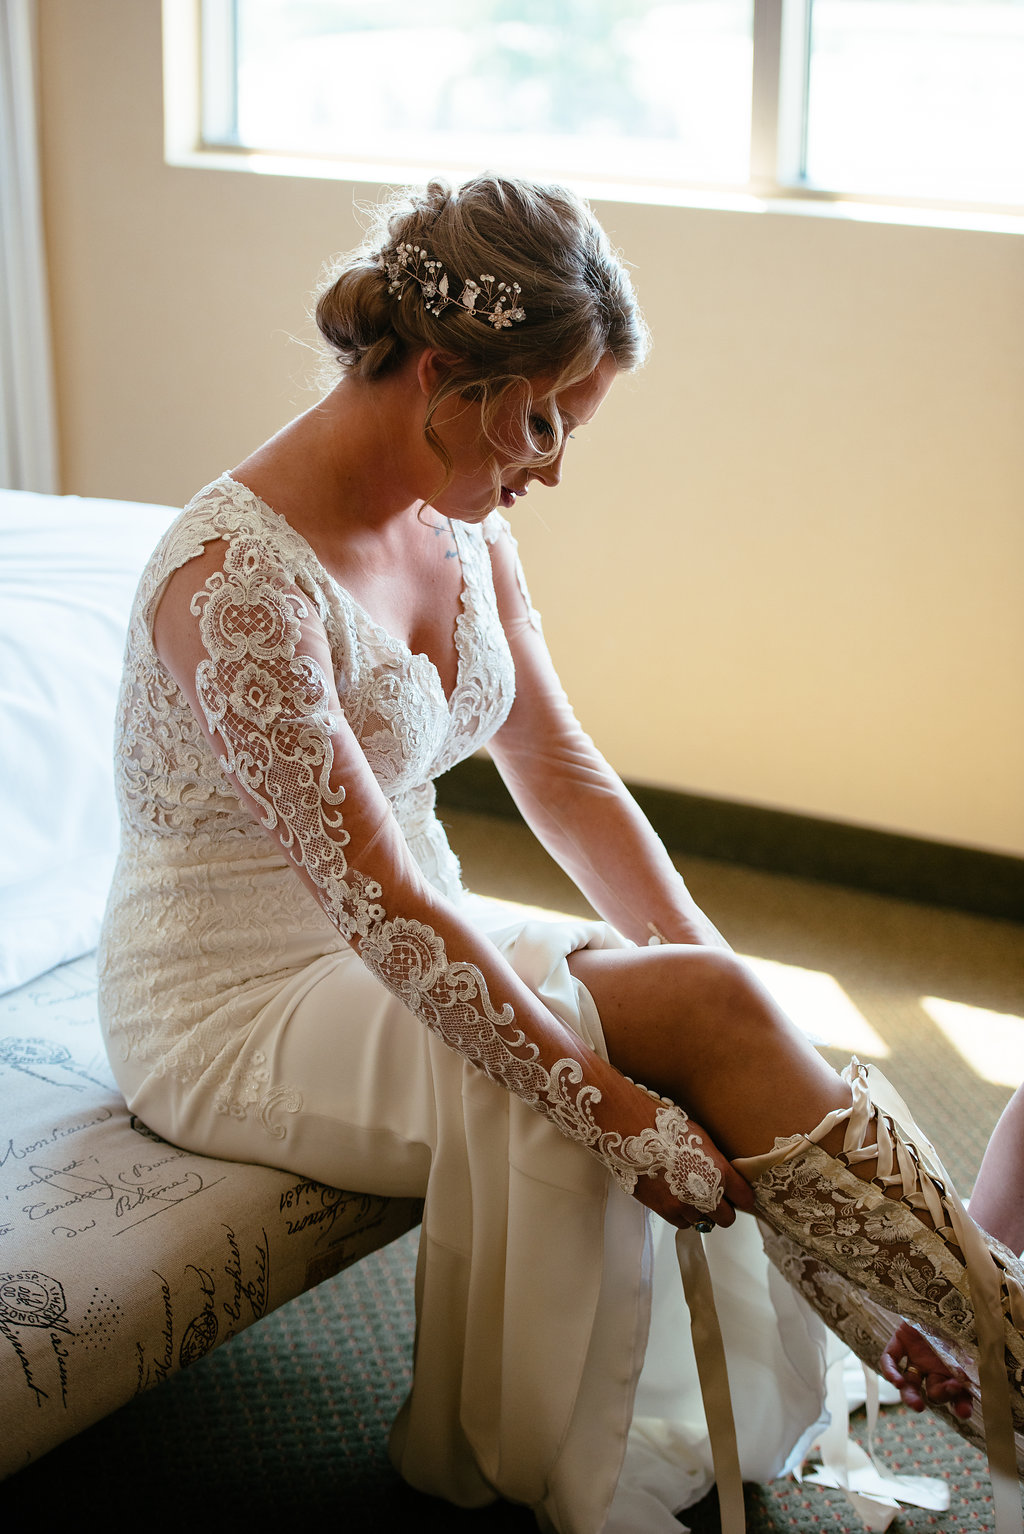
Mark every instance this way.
x=202 y=124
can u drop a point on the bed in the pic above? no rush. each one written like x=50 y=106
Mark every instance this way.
x=122 y=1258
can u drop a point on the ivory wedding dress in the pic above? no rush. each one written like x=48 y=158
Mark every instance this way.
x=241 y=1022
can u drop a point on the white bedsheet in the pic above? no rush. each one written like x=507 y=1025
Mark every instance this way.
x=68 y=571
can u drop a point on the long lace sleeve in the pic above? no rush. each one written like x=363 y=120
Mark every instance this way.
x=568 y=794
x=250 y=652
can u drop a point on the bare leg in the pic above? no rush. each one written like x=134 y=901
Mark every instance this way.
x=697 y=1024
x=997 y=1202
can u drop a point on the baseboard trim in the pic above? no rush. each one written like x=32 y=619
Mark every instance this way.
x=908 y=867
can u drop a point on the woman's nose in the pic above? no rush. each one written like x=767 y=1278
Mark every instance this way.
x=549 y=474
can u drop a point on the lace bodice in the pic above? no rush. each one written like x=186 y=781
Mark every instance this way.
x=171 y=785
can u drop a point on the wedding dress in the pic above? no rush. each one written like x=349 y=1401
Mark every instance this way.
x=301 y=1002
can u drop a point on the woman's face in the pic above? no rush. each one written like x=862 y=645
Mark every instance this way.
x=469 y=493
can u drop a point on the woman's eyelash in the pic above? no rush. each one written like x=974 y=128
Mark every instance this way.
x=544 y=428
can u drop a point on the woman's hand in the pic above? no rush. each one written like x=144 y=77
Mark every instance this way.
x=693 y=930
x=737 y=1193
x=921 y=1376
x=692 y=1160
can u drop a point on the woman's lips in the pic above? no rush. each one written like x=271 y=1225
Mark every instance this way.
x=509 y=497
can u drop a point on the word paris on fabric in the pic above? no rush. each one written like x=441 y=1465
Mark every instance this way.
x=485 y=299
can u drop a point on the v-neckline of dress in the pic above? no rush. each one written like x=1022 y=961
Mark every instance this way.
x=392 y=640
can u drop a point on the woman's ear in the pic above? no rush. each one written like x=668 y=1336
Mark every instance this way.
x=432 y=369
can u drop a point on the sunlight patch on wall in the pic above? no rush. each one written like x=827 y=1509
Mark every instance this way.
x=992 y=1043
x=820 y=1008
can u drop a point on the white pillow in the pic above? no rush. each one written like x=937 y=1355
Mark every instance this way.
x=68 y=571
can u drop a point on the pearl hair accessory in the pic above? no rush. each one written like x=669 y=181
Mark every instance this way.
x=487 y=299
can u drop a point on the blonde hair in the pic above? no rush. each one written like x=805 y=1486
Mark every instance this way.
x=578 y=300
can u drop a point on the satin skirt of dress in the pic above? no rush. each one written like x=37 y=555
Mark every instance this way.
x=538 y=1281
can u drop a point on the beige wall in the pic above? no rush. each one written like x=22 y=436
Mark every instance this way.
x=784 y=567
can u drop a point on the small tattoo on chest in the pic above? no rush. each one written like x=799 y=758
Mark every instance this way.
x=441 y=530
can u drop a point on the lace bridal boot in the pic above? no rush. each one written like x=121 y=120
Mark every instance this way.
x=894 y=1241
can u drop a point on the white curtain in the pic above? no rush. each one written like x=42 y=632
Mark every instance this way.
x=28 y=455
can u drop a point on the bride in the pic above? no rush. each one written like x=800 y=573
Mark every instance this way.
x=293 y=974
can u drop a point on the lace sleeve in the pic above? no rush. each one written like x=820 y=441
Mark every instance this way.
x=570 y=796
x=250 y=653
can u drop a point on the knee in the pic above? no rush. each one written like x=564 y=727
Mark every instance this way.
x=731 y=996
x=717 y=977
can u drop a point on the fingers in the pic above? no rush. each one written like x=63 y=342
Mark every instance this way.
x=736 y=1194
x=952 y=1393
x=737 y=1189
x=687 y=1218
x=919 y=1390
x=906 y=1341
x=684 y=1216
x=921 y=1376
x=654 y=1192
x=889 y=1362
x=724 y=1216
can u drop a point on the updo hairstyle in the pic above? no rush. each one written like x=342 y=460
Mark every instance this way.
x=578 y=300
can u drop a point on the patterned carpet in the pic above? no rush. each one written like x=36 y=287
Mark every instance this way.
x=290 y=1419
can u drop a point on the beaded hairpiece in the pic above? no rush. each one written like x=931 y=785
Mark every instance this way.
x=486 y=299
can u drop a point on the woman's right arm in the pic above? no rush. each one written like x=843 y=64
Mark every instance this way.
x=249 y=651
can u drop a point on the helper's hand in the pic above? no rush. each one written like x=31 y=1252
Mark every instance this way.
x=921 y=1376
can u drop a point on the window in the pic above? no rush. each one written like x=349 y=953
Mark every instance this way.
x=920 y=96
x=896 y=99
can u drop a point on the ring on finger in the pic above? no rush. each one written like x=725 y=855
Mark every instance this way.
x=704 y=1226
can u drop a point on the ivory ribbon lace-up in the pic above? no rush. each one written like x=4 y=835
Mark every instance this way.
x=960 y=1286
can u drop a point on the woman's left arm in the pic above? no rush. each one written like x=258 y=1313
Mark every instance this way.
x=570 y=797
